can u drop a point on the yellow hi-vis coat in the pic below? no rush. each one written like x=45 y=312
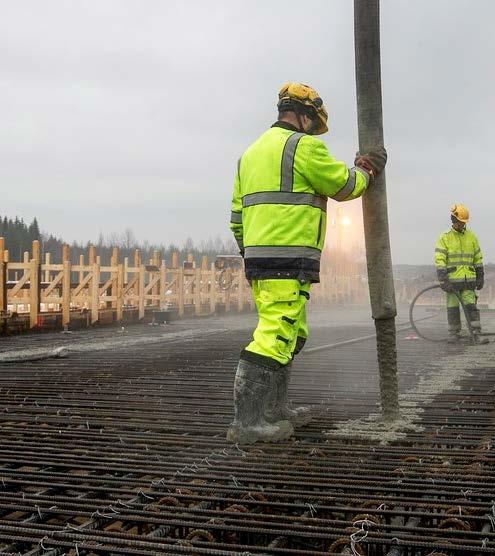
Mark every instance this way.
x=458 y=258
x=279 y=202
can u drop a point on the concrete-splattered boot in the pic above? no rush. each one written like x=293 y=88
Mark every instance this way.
x=454 y=320
x=475 y=321
x=278 y=404
x=252 y=387
x=453 y=338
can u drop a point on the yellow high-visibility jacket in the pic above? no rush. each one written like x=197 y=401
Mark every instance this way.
x=279 y=202
x=458 y=258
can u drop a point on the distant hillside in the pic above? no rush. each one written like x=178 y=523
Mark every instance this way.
x=410 y=271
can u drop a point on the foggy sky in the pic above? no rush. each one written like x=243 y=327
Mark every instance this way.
x=132 y=114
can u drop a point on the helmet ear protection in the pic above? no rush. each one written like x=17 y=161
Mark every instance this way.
x=303 y=99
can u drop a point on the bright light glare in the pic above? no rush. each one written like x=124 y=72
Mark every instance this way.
x=346 y=221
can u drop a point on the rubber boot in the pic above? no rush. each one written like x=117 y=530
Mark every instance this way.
x=453 y=338
x=454 y=320
x=481 y=340
x=279 y=407
x=475 y=321
x=252 y=387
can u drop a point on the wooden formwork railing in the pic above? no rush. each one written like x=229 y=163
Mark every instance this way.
x=39 y=287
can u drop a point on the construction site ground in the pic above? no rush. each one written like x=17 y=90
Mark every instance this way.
x=120 y=447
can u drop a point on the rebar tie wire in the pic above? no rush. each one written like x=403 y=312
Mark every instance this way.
x=360 y=535
x=312 y=509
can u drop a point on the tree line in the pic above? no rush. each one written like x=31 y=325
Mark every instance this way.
x=19 y=237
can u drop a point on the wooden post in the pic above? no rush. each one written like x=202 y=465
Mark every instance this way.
x=65 y=252
x=126 y=273
x=241 y=289
x=213 y=289
x=180 y=291
x=6 y=260
x=140 y=283
x=120 y=293
x=155 y=291
x=66 y=294
x=175 y=260
x=34 y=293
x=95 y=290
x=370 y=127
x=163 y=286
x=81 y=264
x=141 y=303
x=35 y=284
x=227 y=293
x=3 y=277
x=204 y=262
x=91 y=255
x=114 y=262
x=66 y=286
x=46 y=277
x=197 y=291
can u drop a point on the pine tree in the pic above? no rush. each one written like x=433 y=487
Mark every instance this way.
x=34 y=230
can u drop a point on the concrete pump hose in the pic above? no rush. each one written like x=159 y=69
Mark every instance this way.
x=420 y=334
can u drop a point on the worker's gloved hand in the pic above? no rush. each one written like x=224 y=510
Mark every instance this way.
x=447 y=286
x=480 y=278
x=373 y=162
x=480 y=282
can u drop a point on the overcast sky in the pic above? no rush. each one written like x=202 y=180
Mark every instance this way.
x=132 y=114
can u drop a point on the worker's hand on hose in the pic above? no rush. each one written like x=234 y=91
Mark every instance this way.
x=447 y=286
x=373 y=161
x=480 y=278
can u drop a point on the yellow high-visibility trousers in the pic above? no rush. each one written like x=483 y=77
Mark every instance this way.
x=469 y=300
x=282 y=327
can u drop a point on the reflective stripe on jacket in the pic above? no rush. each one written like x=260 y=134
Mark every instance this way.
x=457 y=255
x=279 y=202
